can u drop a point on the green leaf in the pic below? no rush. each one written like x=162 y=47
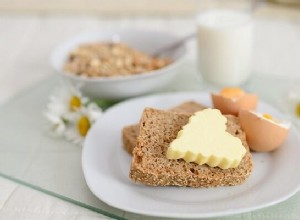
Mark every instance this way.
x=104 y=103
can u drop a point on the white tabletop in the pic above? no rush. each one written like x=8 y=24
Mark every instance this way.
x=28 y=40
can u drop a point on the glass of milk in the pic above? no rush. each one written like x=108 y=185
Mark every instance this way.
x=224 y=39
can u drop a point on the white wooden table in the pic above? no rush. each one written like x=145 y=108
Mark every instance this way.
x=26 y=42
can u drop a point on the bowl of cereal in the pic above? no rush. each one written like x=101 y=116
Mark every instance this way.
x=116 y=65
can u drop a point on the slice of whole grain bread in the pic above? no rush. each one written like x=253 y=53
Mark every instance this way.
x=131 y=132
x=151 y=167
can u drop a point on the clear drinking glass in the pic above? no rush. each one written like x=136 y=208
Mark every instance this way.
x=225 y=39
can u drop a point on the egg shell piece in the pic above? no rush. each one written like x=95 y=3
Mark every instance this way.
x=262 y=135
x=234 y=105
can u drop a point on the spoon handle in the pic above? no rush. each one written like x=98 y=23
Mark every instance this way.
x=173 y=45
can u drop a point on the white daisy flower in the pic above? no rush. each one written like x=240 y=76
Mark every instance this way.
x=93 y=111
x=66 y=100
x=70 y=114
x=58 y=126
x=82 y=122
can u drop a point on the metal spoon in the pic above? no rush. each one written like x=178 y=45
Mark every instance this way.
x=173 y=45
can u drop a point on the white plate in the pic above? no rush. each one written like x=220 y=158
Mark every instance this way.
x=106 y=165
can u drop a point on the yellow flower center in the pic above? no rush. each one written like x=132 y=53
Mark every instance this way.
x=75 y=103
x=83 y=125
x=298 y=110
x=267 y=116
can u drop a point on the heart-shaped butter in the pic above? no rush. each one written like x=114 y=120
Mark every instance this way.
x=204 y=140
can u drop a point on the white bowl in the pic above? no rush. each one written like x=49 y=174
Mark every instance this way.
x=123 y=86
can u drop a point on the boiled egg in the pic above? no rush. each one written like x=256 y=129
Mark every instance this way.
x=263 y=132
x=231 y=100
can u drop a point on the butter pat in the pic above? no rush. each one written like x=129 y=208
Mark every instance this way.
x=204 y=140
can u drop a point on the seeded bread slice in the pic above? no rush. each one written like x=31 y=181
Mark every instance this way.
x=131 y=132
x=129 y=137
x=151 y=167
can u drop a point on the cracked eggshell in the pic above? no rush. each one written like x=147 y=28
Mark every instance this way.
x=234 y=105
x=262 y=134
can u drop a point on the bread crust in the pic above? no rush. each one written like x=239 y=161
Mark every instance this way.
x=131 y=132
x=151 y=167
